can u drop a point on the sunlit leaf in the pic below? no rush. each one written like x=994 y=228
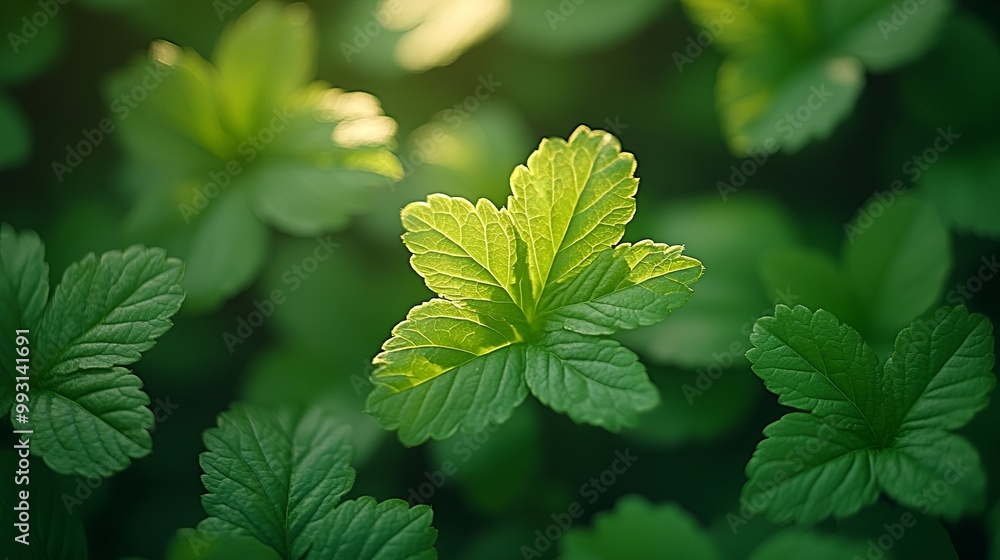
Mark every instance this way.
x=528 y=289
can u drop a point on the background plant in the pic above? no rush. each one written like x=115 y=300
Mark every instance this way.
x=553 y=65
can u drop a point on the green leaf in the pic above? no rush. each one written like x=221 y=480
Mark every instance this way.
x=493 y=470
x=15 y=147
x=225 y=250
x=191 y=544
x=897 y=262
x=89 y=415
x=447 y=367
x=262 y=60
x=572 y=200
x=593 y=380
x=962 y=187
x=734 y=235
x=465 y=252
x=637 y=529
x=366 y=529
x=868 y=428
x=92 y=422
x=551 y=27
x=816 y=280
x=896 y=259
x=798 y=544
x=794 y=70
x=106 y=312
x=30 y=47
x=219 y=150
x=526 y=291
x=624 y=288
x=277 y=476
x=24 y=285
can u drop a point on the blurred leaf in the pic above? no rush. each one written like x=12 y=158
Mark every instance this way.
x=900 y=533
x=957 y=83
x=389 y=36
x=271 y=52
x=252 y=132
x=15 y=146
x=798 y=544
x=730 y=237
x=565 y=27
x=191 y=544
x=494 y=466
x=225 y=250
x=964 y=189
x=638 y=530
x=34 y=32
x=795 y=69
x=54 y=533
x=897 y=262
x=698 y=406
x=278 y=474
x=896 y=259
x=455 y=155
x=867 y=428
x=815 y=279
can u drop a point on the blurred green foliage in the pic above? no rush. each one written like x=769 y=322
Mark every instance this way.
x=743 y=156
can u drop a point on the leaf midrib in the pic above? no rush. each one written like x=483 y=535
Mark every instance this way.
x=875 y=438
x=100 y=322
x=902 y=417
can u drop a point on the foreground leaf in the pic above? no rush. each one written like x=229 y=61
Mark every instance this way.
x=867 y=428
x=277 y=476
x=526 y=293
x=89 y=415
